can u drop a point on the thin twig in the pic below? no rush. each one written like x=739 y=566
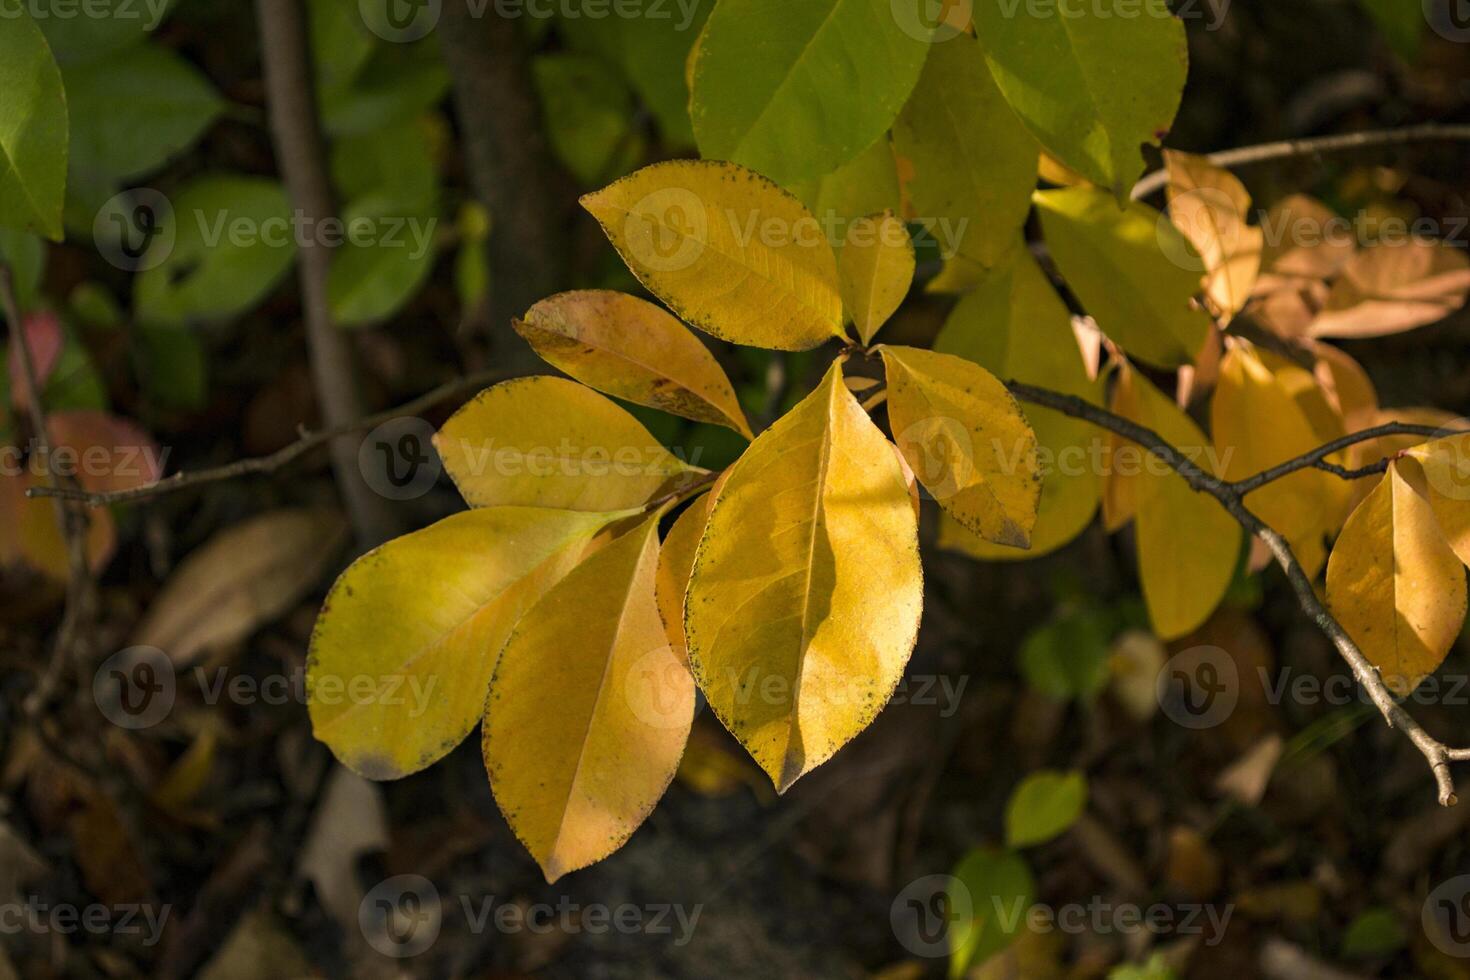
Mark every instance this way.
x=1318 y=457
x=296 y=132
x=1242 y=156
x=73 y=523
x=273 y=461
x=1435 y=752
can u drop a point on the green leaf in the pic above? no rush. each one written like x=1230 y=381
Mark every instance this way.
x=131 y=112
x=394 y=162
x=26 y=256
x=1376 y=932
x=1000 y=889
x=1091 y=85
x=866 y=184
x=1402 y=24
x=341 y=43
x=588 y=111
x=795 y=90
x=1067 y=658
x=1045 y=805
x=227 y=243
x=33 y=127
x=397 y=83
x=1155 y=969
x=371 y=280
x=651 y=45
x=1130 y=269
x=971 y=160
x=102 y=27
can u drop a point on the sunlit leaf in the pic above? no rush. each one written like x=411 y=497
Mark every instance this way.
x=630 y=348
x=1446 y=465
x=1394 y=287
x=875 y=268
x=589 y=710
x=1044 y=806
x=727 y=250
x=968 y=443
x=1132 y=270
x=549 y=442
x=402 y=653
x=33 y=128
x=1395 y=584
x=1210 y=206
x=796 y=90
x=804 y=601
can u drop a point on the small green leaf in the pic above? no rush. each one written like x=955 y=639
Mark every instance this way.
x=588 y=111
x=1091 y=85
x=1000 y=889
x=1068 y=658
x=228 y=241
x=1045 y=805
x=1132 y=270
x=33 y=127
x=795 y=90
x=26 y=256
x=1376 y=932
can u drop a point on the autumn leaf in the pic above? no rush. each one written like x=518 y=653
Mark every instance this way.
x=1257 y=423
x=804 y=601
x=407 y=639
x=967 y=441
x=1446 y=466
x=1390 y=288
x=1211 y=207
x=589 y=710
x=1132 y=270
x=875 y=267
x=549 y=442
x=727 y=250
x=676 y=562
x=629 y=348
x=1188 y=545
x=1394 y=583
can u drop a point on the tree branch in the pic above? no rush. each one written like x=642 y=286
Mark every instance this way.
x=511 y=169
x=1318 y=457
x=71 y=522
x=1436 y=753
x=276 y=460
x=1156 y=181
x=290 y=96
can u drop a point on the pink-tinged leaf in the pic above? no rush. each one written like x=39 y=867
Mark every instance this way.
x=103 y=452
x=1392 y=288
x=45 y=339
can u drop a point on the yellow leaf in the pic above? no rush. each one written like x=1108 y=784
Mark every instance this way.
x=1132 y=270
x=1304 y=239
x=727 y=250
x=804 y=602
x=1015 y=326
x=1446 y=465
x=1257 y=424
x=876 y=267
x=627 y=347
x=406 y=641
x=676 y=561
x=967 y=441
x=1210 y=206
x=589 y=710
x=549 y=442
x=1395 y=585
x=1188 y=545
